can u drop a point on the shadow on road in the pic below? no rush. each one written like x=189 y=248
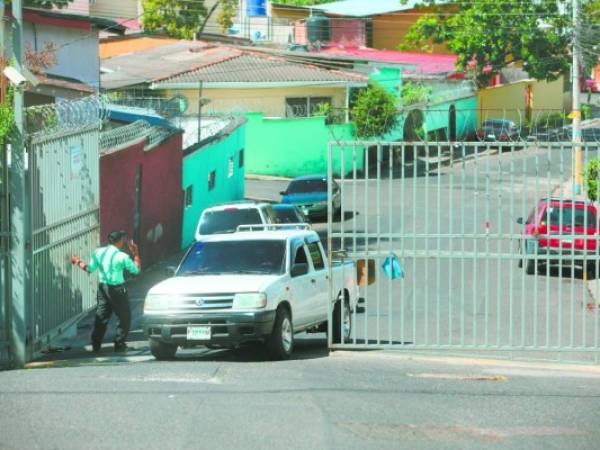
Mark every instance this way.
x=576 y=273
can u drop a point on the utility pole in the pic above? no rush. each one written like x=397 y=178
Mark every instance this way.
x=20 y=335
x=576 y=109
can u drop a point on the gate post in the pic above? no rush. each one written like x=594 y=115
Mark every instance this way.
x=20 y=261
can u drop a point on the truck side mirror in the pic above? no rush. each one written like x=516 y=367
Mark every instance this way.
x=520 y=221
x=283 y=193
x=299 y=269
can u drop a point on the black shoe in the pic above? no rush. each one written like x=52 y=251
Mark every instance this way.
x=121 y=348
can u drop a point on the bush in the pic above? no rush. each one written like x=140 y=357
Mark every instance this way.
x=591 y=178
x=374 y=111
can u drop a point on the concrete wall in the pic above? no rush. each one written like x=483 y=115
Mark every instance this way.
x=197 y=166
x=121 y=9
x=161 y=196
x=343 y=31
x=389 y=30
x=294 y=147
x=269 y=101
x=510 y=100
x=77 y=56
x=437 y=116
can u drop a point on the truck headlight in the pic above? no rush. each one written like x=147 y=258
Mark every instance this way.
x=250 y=300
x=156 y=302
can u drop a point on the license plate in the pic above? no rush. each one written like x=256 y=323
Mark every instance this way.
x=198 y=333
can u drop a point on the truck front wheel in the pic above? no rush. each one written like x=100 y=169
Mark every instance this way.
x=281 y=342
x=161 y=350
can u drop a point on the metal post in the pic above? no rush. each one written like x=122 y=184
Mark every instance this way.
x=199 y=112
x=576 y=113
x=20 y=211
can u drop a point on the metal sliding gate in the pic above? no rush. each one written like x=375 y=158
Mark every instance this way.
x=449 y=244
x=64 y=186
x=5 y=297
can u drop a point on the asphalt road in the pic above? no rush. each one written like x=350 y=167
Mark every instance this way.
x=237 y=400
x=453 y=227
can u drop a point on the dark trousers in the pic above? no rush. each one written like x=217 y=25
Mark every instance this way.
x=111 y=299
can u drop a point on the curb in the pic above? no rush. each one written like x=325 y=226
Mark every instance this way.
x=266 y=178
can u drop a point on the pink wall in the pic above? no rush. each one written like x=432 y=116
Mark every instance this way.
x=348 y=32
x=161 y=196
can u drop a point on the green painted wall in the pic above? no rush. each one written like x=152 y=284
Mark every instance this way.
x=437 y=115
x=196 y=169
x=293 y=147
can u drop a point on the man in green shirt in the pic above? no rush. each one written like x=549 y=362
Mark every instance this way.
x=111 y=262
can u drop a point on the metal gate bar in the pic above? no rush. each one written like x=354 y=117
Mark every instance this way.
x=448 y=212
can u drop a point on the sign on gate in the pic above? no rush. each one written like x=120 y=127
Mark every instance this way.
x=478 y=246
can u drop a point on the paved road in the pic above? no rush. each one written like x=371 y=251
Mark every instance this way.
x=237 y=400
x=454 y=230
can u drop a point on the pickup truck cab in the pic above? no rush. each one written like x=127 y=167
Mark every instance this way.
x=262 y=283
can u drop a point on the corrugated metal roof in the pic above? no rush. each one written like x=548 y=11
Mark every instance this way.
x=254 y=68
x=365 y=8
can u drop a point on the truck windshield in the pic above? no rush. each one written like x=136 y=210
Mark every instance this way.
x=569 y=216
x=234 y=257
x=227 y=220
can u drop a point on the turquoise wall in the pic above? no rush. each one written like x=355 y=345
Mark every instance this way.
x=196 y=169
x=437 y=115
x=293 y=147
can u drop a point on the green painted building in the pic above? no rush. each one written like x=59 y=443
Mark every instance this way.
x=213 y=172
x=297 y=146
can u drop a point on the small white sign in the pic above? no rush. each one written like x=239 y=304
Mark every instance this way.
x=198 y=333
x=76 y=160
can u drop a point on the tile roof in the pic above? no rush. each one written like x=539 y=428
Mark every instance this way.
x=426 y=63
x=249 y=67
x=154 y=64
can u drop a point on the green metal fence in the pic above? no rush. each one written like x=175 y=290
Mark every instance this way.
x=483 y=247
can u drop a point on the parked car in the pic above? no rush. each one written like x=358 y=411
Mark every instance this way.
x=287 y=213
x=560 y=227
x=501 y=130
x=225 y=218
x=309 y=194
x=260 y=285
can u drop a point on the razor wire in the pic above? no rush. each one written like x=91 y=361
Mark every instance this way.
x=64 y=116
x=115 y=138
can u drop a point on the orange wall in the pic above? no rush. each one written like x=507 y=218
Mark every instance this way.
x=122 y=46
x=389 y=29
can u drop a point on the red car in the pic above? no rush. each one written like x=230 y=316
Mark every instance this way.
x=560 y=227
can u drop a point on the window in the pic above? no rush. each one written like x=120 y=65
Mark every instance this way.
x=316 y=256
x=241 y=158
x=212 y=176
x=187 y=197
x=300 y=257
x=304 y=106
x=230 y=167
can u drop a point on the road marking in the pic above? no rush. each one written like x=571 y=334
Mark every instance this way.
x=458 y=376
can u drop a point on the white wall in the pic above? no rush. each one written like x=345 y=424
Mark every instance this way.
x=77 y=56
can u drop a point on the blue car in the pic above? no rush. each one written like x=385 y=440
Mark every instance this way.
x=309 y=194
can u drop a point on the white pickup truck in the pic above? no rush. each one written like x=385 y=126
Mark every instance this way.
x=262 y=283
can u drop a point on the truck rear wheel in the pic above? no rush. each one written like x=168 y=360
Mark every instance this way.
x=342 y=322
x=161 y=350
x=281 y=342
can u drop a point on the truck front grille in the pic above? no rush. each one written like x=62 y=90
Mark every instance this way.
x=204 y=302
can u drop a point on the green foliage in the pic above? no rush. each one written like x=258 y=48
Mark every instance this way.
x=412 y=93
x=374 y=111
x=592 y=177
x=487 y=36
x=586 y=111
x=7 y=119
x=182 y=19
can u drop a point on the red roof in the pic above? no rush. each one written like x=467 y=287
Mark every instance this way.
x=426 y=63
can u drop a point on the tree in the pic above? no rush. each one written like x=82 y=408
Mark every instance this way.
x=374 y=111
x=487 y=36
x=183 y=19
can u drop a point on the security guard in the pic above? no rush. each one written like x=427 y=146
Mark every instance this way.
x=111 y=261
